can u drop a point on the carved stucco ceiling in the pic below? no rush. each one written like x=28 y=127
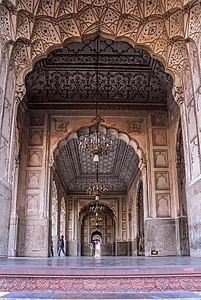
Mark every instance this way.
x=125 y=75
x=77 y=170
x=163 y=26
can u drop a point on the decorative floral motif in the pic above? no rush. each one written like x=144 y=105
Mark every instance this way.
x=125 y=284
x=42 y=24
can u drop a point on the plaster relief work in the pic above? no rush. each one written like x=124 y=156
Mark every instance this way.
x=193 y=56
x=194 y=156
x=61 y=126
x=163 y=205
x=32 y=237
x=34 y=158
x=160 y=158
x=36 y=137
x=6 y=120
x=3 y=156
x=1 y=99
x=4 y=205
x=168 y=238
x=162 y=181
x=32 y=204
x=198 y=106
x=159 y=137
x=33 y=179
x=188 y=86
x=191 y=121
x=36 y=119
x=158 y=120
x=135 y=126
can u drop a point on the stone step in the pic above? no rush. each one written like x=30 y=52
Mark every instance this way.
x=101 y=295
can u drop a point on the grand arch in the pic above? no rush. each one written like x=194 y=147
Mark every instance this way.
x=169 y=30
x=116 y=173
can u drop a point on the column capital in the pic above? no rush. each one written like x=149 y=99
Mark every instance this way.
x=178 y=94
x=19 y=92
x=142 y=165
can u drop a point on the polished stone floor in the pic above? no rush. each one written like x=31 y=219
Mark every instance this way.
x=101 y=295
x=103 y=261
x=105 y=266
x=106 y=262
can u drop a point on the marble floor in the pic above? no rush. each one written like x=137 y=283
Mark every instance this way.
x=103 y=261
x=103 y=266
x=106 y=262
x=96 y=296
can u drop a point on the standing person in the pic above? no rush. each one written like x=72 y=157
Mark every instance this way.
x=61 y=246
x=51 y=247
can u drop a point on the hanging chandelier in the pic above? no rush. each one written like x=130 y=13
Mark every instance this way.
x=97 y=143
x=97 y=189
x=96 y=209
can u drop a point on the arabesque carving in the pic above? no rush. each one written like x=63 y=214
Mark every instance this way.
x=159 y=25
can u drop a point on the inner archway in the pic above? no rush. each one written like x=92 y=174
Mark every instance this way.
x=169 y=30
x=135 y=93
x=101 y=229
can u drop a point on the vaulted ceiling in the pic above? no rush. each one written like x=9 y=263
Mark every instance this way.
x=34 y=27
x=116 y=171
x=126 y=76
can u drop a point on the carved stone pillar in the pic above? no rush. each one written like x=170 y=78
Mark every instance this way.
x=192 y=141
x=33 y=205
x=160 y=230
x=12 y=245
x=54 y=217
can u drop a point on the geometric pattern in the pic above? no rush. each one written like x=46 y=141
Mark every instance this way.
x=116 y=171
x=162 y=26
x=125 y=75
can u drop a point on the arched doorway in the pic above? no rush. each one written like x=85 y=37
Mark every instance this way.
x=104 y=226
x=140 y=126
x=152 y=25
x=116 y=172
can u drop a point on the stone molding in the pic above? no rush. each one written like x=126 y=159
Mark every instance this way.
x=103 y=283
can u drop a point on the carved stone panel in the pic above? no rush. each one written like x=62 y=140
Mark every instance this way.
x=160 y=158
x=33 y=179
x=158 y=120
x=32 y=204
x=162 y=181
x=135 y=126
x=60 y=125
x=188 y=86
x=191 y=120
x=36 y=119
x=31 y=237
x=194 y=63
x=6 y=120
x=159 y=137
x=163 y=208
x=3 y=156
x=34 y=158
x=198 y=106
x=36 y=137
x=195 y=160
x=4 y=222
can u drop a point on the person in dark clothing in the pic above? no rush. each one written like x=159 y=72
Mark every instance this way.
x=61 y=246
x=51 y=247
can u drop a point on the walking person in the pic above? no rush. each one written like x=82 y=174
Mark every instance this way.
x=61 y=246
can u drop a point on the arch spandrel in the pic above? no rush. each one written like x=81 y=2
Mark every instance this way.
x=159 y=26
